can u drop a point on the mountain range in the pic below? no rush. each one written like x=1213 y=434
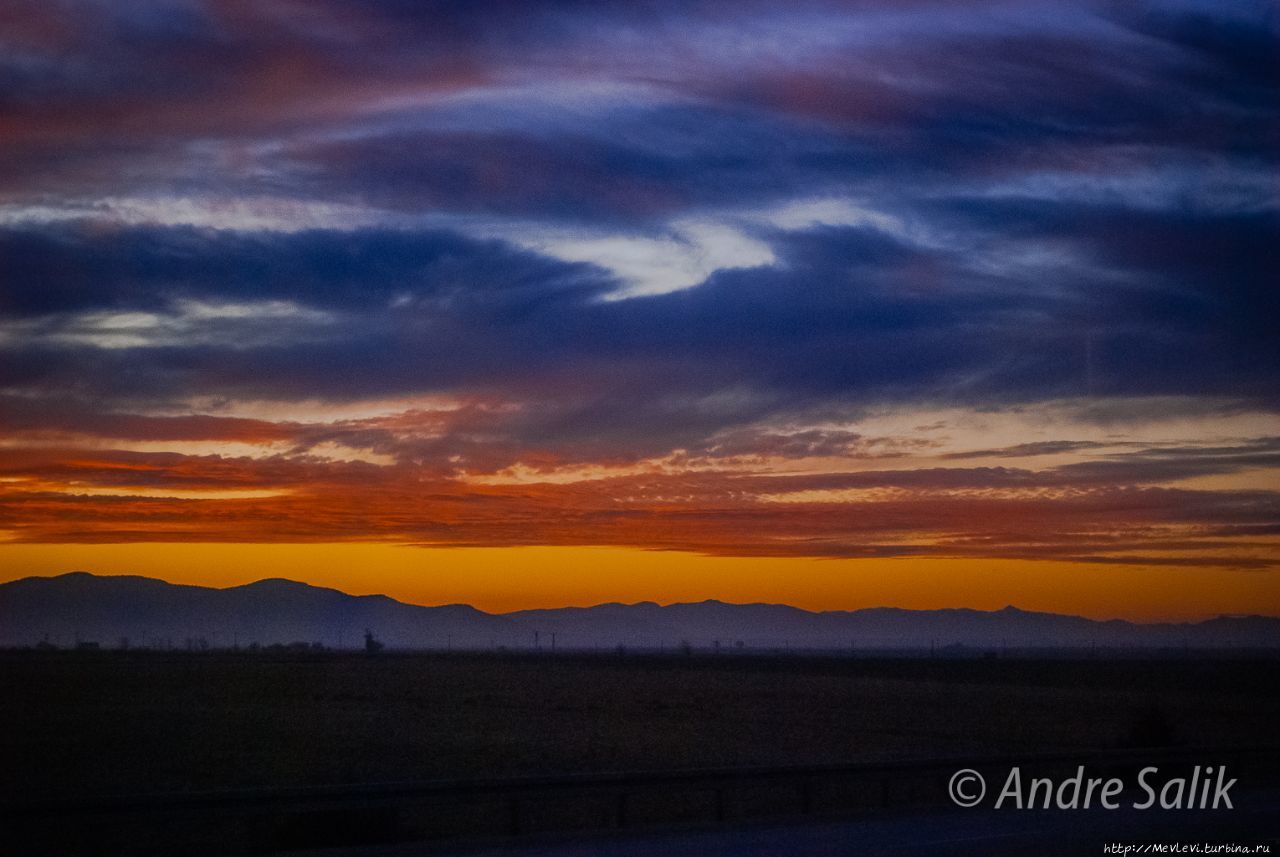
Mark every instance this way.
x=82 y=608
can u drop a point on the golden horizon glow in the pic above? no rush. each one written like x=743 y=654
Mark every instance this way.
x=506 y=579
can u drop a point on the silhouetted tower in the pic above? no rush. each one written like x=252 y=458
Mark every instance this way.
x=371 y=645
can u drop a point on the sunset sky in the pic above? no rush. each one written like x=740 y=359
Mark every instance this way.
x=837 y=304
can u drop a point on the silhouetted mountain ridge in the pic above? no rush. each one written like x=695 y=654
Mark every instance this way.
x=85 y=607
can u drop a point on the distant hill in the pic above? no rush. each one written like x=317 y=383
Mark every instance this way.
x=777 y=625
x=89 y=608
x=86 y=607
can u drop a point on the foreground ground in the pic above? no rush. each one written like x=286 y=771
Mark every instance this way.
x=955 y=832
x=95 y=723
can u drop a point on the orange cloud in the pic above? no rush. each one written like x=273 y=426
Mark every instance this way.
x=71 y=495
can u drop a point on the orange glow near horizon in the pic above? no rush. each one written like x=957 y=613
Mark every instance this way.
x=563 y=305
x=512 y=578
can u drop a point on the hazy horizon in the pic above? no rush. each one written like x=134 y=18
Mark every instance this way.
x=251 y=580
x=124 y=613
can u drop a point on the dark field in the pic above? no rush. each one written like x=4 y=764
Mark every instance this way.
x=95 y=723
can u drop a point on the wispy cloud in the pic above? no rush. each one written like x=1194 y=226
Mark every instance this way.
x=562 y=273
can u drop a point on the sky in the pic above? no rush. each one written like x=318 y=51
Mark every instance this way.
x=521 y=304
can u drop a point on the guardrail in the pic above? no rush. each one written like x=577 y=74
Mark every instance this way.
x=266 y=820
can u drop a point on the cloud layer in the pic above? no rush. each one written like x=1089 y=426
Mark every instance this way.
x=840 y=279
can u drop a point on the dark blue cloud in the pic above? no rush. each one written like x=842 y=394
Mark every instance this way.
x=82 y=267
x=846 y=317
x=704 y=108
x=1085 y=194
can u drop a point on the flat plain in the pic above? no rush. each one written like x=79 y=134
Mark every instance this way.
x=92 y=723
